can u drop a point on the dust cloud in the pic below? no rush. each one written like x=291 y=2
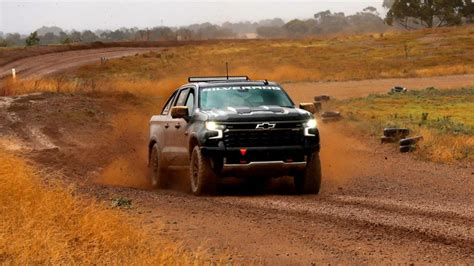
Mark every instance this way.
x=128 y=156
x=341 y=157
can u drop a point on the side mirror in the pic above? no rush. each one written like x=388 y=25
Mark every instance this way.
x=308 y=107
x=179 y=112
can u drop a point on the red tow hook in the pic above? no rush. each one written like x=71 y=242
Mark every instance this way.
x=243 y=152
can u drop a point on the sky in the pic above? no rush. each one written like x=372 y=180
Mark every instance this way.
x=26 y=16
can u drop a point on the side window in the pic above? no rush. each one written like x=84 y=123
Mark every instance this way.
x=182 y=97
x=190 y=103
x=168 y=104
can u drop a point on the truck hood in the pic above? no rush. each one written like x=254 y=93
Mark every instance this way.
x=256 y=114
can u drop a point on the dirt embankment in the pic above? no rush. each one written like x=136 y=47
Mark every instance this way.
x=376 y=206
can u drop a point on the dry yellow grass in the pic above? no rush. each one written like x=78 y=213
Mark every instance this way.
x=48 y=225
x=421 y=53
x=445 y=148
x=400 y=54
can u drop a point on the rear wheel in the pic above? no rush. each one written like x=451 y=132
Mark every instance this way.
x=309 y=181
x=155 y=169
x=203 y=178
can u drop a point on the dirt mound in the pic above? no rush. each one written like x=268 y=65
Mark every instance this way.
x=89 y=137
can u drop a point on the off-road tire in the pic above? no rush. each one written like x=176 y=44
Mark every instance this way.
x=322 y=98
x=309 y=181
x=331 y=114
x=407 y=148
x=318 y=105
x=155 y=170
x=203 y=179
x=410 y=141
x=398 y=133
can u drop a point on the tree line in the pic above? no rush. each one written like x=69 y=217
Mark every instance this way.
x=405 y=14
x=204 y=31
x=413 y=14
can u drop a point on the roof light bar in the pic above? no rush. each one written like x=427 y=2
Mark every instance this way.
x=218 y=78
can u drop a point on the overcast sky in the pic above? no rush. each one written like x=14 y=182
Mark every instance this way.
x=26 y=16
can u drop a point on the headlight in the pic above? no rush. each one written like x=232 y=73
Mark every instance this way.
x=312 y=123
x=310 y=128
x=213 y=126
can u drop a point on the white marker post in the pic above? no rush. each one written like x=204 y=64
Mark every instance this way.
x=13 y=73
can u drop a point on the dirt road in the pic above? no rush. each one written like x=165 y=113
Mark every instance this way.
x=42 y=65
x=304 y=91
x=376 y=206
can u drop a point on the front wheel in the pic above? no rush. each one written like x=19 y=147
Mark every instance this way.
x=309 y=181
x=155 y=169
x=203 y=178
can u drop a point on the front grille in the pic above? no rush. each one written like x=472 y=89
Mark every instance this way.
x=250 y=126
x=262 y=138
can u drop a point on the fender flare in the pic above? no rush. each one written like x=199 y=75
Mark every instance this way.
x=193 y=141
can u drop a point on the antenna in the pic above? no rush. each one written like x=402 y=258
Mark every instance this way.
x=227 y=69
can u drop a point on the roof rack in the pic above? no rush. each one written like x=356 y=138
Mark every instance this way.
x=218 y=78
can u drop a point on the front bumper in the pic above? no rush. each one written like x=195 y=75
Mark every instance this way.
x=265 y=168
x=282 y=160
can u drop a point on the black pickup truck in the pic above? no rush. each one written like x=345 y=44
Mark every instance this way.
x=234 y=127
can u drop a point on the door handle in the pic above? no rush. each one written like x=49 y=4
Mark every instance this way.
x=167 y=125
x=178 y=125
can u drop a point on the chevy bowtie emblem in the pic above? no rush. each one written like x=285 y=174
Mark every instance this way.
x=265 y=125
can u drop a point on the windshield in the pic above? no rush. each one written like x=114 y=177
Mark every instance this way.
x=243 y=96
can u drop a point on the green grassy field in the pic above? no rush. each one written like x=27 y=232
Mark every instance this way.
x=448 y=128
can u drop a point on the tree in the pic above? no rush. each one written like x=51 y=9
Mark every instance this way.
x=75 y=36
x=297 y=28
x=271 y=32
x=49 y=38
x=208 y=31
x=66 y=40
x=45 y=29
x=468 y=11
x=427 y=13
x=33 y=39
x=366 y=21
x=388 y=3
x=331 y=22
x=371 y=10
x=88 y=36
x=184 y=34
x=162 y=34
x=3 y=43
x=14 y=39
